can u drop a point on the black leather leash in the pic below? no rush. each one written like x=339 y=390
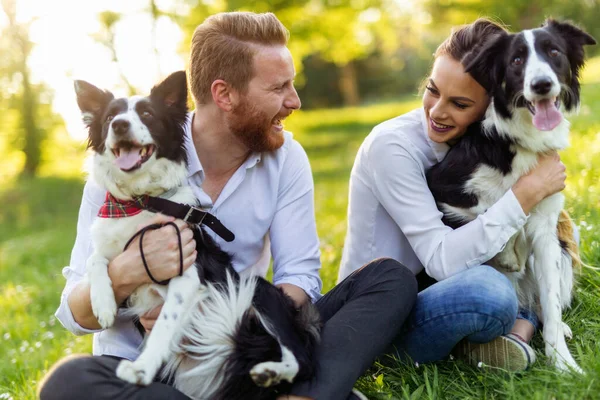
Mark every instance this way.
x=141 y=234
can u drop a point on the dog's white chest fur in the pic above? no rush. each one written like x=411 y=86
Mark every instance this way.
x=490 y=184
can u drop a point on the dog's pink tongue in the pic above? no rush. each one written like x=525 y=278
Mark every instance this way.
x=547 y=116
x=128 y=158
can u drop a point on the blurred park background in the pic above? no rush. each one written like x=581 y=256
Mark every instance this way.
x=359 y=62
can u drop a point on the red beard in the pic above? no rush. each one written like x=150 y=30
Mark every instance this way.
x=254 y=128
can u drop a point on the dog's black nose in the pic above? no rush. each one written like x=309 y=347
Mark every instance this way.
x=541 y=85
x=121 y=126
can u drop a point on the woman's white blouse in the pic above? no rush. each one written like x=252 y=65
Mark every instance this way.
x=392 y=213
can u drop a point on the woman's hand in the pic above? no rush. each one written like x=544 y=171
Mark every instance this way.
x=161 y=251
x=149 y=319
x=546 y=179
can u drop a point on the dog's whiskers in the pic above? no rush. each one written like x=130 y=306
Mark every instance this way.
x=519 y=96
x=566 y=93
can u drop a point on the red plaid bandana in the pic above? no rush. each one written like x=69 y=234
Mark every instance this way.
x=115 y=208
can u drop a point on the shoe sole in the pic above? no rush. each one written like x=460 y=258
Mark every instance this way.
x=503 y=352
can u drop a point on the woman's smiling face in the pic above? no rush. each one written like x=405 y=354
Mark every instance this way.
x=453 y=100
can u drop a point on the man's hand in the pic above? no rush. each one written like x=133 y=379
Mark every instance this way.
x=298 y=295
x=161 y=250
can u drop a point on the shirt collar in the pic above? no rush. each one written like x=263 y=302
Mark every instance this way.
x=194 y=164
x=254 y=159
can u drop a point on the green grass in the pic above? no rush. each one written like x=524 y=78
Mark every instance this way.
x=38 y=226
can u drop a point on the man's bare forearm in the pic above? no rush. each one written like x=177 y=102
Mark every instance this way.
x=79 y=299
x=81 y=306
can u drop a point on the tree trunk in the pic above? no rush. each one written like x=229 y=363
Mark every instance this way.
x=348 y=85
x=32 y=146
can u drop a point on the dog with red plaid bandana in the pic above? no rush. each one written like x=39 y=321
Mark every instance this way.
x=258 y=342
x=138 y=150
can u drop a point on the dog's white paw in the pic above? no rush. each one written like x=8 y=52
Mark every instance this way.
x=134 y=372
x=567 y=364
x=562 y=359
x=567 y=331
x=265 y=374
x=104 y=305
x=105 y=316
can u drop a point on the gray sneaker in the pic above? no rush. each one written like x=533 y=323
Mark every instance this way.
x=506 y=352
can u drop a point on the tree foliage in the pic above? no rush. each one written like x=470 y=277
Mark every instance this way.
x=340 y=43
x=516 y=14
x=339 y=32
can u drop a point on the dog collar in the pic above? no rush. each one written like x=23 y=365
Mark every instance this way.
x=189 y=214
x=116 y=208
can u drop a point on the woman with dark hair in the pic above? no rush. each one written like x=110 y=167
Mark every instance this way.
x=392 y=213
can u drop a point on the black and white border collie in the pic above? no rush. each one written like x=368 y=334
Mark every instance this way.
x=533 y=76
x=219 y=335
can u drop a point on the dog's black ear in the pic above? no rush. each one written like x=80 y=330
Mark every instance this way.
x=172 y=91
x=91 y=101
x=575 y=39
x=488 y=66
x=572 y=33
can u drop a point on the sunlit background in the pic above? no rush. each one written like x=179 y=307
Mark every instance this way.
x=359 y=63
x=71 y=42
x=348 y=52
x=117 y=44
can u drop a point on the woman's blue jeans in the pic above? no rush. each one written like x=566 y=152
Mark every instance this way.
x=478 y=304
